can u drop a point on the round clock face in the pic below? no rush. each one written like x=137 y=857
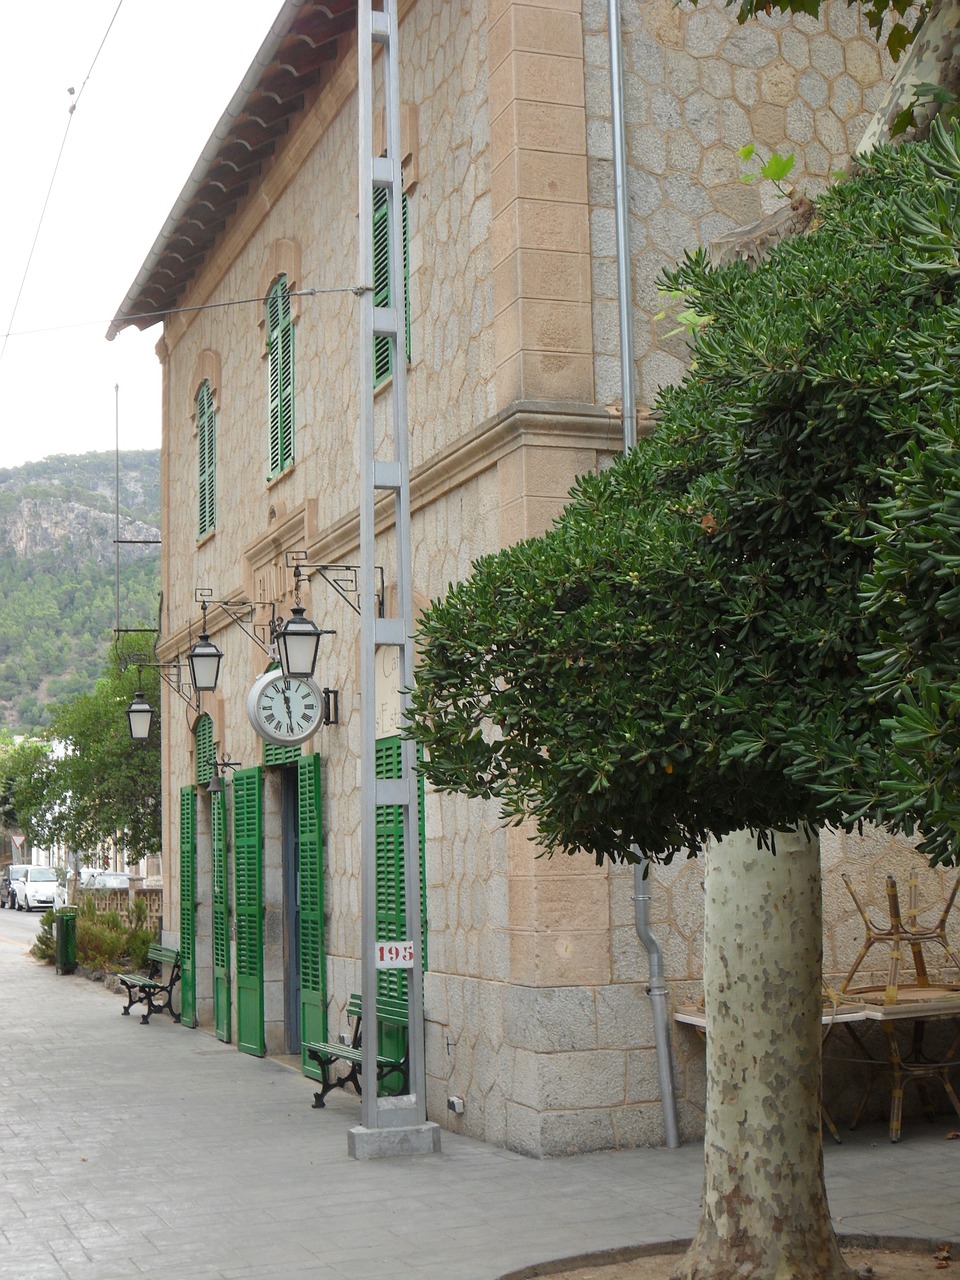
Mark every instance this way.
x=285 y=709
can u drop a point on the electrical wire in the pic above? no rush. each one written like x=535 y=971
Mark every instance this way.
x=356 y=289
x=53 y=178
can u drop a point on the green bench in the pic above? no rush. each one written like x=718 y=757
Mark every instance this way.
x=150 y=988
x=390 y=1011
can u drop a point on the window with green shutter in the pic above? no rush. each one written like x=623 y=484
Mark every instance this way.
x=382 y=353
x=391 y=895
x=206 y=460
x=280 y=374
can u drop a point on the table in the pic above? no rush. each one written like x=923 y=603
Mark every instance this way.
x=694 y=1016
x=919 y=1005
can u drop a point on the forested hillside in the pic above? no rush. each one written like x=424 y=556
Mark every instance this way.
x=58 y=560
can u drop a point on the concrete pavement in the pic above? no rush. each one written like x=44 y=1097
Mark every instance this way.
x=133 y=1151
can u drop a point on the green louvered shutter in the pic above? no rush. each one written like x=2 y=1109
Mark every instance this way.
x=204 y=753
x=248 y=904
x=313 y=962
x=382 y=353
x=391 y=896
x=274 y=754
x=221 y=917
x=188 y=897
x=280 y=360
x=206 y=460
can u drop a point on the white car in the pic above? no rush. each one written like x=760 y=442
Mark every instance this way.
x=108 y=880
x=37 y=887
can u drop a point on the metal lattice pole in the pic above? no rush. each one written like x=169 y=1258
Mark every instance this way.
x=378 y=33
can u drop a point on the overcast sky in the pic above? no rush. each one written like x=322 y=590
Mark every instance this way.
x=156 y=90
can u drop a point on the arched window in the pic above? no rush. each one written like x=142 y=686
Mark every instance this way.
x=206 y=460
x=280 y=372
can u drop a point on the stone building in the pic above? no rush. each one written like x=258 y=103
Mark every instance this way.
x=536 y=1013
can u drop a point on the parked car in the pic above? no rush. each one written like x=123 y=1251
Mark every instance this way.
x=11 y=877
x=108 y=880
x=38 y=887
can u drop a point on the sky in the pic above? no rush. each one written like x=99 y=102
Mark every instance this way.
x=150 y=84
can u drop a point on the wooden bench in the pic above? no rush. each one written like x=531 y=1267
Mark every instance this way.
x=391 y=1011
x=150 y=988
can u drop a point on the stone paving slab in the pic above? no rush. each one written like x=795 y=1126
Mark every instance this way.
x=156 y=1151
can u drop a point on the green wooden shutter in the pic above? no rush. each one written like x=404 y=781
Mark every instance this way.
x=206 y=461
x=382 y=352
x=313 y=960
x=391 y=896
x=248 y=904
x=280 y=361
x=204 y=752
x=274 y=753
x=221 y=917
x=188 y=897
x=382 y=356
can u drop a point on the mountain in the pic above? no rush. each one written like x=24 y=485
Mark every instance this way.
x=58 y=573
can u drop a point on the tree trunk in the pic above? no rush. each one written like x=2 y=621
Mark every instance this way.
x=933 y=58
x=764 y=1213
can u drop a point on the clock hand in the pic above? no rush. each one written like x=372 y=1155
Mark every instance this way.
x=286 y=703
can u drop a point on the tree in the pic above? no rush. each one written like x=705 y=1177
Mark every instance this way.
x=88 y=784
x=686 y=654
x=896 y=22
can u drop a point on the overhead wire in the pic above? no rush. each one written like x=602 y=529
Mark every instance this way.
x=53 y=177
x=355 y=289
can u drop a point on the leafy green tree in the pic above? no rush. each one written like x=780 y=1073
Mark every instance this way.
x=690 y=651
x=88 y=784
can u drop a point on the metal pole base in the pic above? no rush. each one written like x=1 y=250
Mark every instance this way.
x=405 y=1140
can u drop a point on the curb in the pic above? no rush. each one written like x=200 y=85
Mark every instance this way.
x=607 y=1257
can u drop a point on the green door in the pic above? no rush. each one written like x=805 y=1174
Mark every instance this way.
x=248 y=904
x=188 y=898
x=221 y=917
x=391 y=895
x=313 y=964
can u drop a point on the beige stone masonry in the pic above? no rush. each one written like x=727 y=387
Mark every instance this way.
x=539 y=200
x=558 y=916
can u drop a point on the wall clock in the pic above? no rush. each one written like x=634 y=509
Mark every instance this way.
x=285 y=709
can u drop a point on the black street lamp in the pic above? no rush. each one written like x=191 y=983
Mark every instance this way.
x=298 y=640
x=204 y=660
x=140 y=717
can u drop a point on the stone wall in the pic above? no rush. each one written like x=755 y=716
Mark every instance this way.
x=122 y=900
x=698 y=87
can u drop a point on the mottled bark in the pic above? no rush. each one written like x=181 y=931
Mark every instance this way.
x=764 y=1213
x=933 y=58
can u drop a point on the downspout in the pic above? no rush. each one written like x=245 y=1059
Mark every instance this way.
x=656 y=987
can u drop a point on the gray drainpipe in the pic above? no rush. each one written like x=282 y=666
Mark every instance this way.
x=656 y=987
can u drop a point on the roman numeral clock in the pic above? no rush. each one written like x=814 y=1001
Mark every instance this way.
x=285 y=709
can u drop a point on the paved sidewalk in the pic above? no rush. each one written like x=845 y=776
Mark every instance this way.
x=132 y=1151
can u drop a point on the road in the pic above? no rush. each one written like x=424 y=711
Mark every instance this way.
x=19 y=928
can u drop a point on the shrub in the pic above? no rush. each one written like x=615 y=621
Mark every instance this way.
x=45 y=947
x=108 y=942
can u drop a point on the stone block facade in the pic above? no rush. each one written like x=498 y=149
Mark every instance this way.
x=536 y=1011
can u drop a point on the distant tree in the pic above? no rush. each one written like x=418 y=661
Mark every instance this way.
x=89 y=784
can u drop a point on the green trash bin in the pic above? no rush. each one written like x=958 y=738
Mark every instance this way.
x=65 y=929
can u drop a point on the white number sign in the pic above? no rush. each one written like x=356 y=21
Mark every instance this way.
x=394 y=955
